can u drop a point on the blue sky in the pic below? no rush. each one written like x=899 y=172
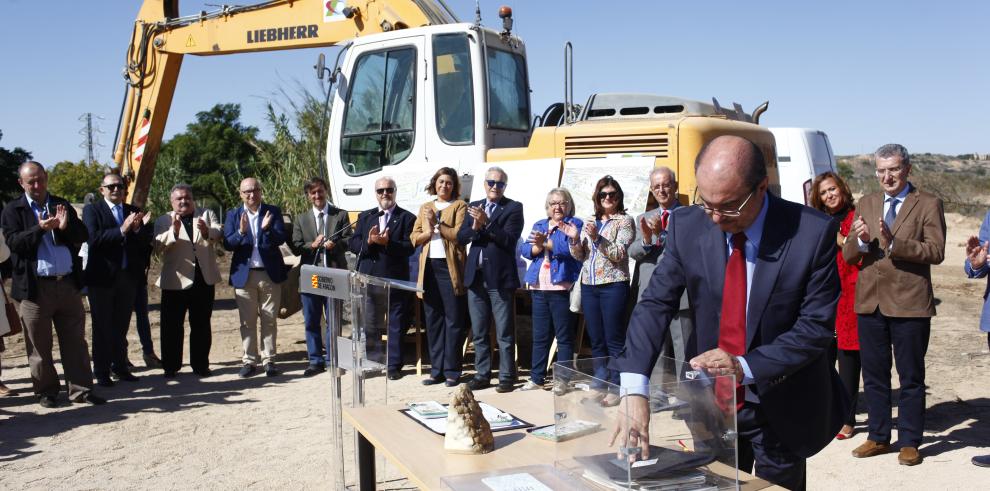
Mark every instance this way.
x=866 y=73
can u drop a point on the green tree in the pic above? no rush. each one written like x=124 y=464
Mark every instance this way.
x=10 y=160
x=72 y=180
x=294 y=154
x=215 y=153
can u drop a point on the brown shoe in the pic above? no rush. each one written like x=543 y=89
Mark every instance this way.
x=870 y=448
x=5 y=391
x=909 y=456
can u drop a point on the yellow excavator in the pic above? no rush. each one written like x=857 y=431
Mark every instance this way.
x=417 y=89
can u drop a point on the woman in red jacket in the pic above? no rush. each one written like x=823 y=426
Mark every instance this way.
x=830 y=194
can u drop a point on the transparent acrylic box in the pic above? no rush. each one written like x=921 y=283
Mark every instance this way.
x=692 y=432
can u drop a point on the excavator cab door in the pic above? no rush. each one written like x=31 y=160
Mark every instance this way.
x=378 y=118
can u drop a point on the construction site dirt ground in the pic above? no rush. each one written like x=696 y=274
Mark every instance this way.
x=225 y=432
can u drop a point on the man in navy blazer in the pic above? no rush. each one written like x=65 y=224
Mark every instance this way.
x=254 y=233
x=790 y=403
x=492 y=227
x=119 y=248
x=382 y=245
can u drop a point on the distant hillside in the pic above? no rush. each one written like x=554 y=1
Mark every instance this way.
x=962 y=181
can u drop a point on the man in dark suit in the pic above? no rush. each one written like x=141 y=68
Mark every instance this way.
x=44 y=235
x=382 y=245
x=760 y=274
x=647 y=250
x=119 y=248
x=899 y=232
x=319 y=237
x=492 y=228
x=254 y=233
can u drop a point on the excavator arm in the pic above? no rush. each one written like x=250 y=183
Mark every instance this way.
x=161 y=38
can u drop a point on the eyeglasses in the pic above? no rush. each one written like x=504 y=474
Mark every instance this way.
x=558 y=203
x=667 y=187
x=113 y=187
x=250 y=191
x=725 y=213
x=894 y=171
x=382 y=191
x=495 y=184
x=607 y=194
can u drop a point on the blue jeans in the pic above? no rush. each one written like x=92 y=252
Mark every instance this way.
x=483 y=303
x=141 y=319
x=314 y=307
x=551 y=316
x=604 y=311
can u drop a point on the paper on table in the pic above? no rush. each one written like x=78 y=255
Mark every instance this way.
x=497 y=419
x=515 y=482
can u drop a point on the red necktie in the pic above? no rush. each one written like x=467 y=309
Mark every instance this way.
x=663 y=227
x=732 y=330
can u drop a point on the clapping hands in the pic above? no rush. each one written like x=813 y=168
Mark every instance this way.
x=976 y=253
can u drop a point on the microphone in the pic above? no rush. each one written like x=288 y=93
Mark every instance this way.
x=334 y=236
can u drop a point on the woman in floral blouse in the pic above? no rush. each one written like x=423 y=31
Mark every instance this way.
x=602 y=245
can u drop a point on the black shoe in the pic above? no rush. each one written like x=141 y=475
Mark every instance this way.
x=104 y=381
x=271 y=371
x=125 y=376
x=504 y=387
x=246 y=371
x=169 y=374
x=48 y=401
x=130 y=366
x=394 y=375
x=452 y=382
x=432 y=380
x=152 y=361
x=90 y=398
x=478 y=384
x=981 y=460
x=314 y=370
x=203 y=372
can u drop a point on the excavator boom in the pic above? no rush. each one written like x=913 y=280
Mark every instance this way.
x=161 y=38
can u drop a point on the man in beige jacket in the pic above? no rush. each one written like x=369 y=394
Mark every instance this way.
x=186 y=238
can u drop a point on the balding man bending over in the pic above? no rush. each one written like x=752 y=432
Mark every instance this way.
x=760 y=274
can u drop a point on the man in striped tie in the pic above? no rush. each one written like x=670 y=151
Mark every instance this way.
x=760 y=274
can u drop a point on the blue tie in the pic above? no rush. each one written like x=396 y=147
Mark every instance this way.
x=891 y=213
x=118 y=214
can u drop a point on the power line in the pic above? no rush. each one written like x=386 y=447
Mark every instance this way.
x=91 y=133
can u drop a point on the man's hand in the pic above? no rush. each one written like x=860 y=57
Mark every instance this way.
x=383 y=237
x=647 y=230
x=633 y=427
x=885 y=233
x=266 y=221
x=63 y=216
x=329 y=244
x=859 y=229
x=374 y=237
x=204 y=231
x=138 y=221
x=244 y=222
x=976 y=253
x=591 y=231
x=718 y=363
x=479 y=216
x=317 y=242
x=48 y=224
x=128 y=224
x=176 y=225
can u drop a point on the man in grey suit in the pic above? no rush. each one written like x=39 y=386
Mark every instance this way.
x=647 y=250
x=319 y=236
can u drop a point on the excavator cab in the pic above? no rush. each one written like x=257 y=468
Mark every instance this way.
x=409 y=102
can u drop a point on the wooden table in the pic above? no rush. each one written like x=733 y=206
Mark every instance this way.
x=419 y=454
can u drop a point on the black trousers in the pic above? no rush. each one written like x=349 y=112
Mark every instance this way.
x=398 y=319
x=110 y=308
x=849 y=369
x=445 y=320
x=198 y=301
x=909 y=338
x=759 y=445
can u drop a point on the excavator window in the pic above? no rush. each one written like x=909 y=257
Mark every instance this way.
x=452 y=83
x=508 y=94
x=379 y=126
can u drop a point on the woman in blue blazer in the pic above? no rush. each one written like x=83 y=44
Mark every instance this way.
x=551 y=273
